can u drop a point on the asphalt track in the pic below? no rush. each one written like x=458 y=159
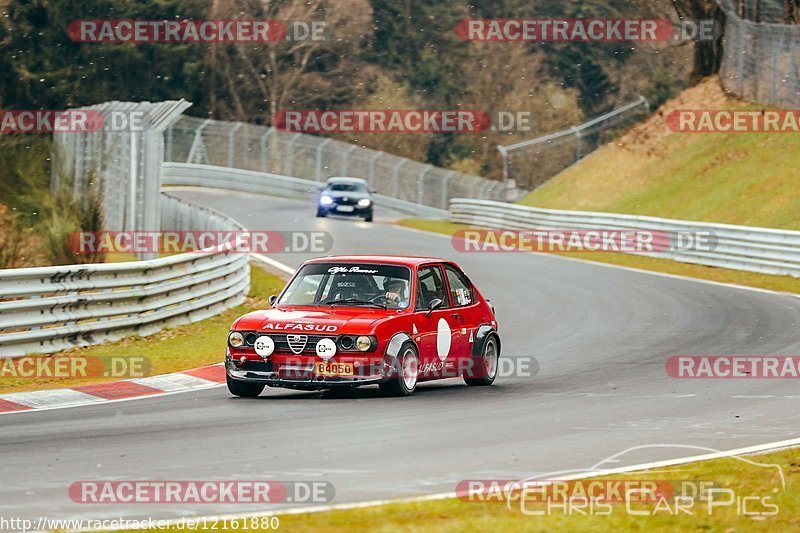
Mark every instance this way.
x=600 y=336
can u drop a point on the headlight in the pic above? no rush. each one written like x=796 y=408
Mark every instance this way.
x=364 y=202
x=325 y=200
x=363 y=343
x=235 y=339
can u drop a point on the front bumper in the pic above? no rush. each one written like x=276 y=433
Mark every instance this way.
x=357 y=211
x=296 y=376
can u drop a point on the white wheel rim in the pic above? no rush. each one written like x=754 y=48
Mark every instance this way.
x=410 y=369
x=490 y=358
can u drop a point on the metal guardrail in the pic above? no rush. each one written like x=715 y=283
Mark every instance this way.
x=188 y=174
x=763 y=250
x=46 y=309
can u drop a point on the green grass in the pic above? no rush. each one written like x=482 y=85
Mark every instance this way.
x=453 y=515
x=722 y=275
x=741 y=178
x=171 y=349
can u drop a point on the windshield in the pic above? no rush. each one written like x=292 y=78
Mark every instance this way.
x=349 y=284
x=347 y=187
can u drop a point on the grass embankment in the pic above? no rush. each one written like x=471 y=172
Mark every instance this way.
x=170 y=350
x=744 y=479
x=737 y=178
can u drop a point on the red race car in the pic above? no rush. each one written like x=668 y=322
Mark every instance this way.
x=347 y=321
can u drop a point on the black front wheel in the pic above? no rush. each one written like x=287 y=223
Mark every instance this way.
x=368 y=217
x=243 y=388
x=321 y=213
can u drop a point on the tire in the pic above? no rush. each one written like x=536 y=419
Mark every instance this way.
x=485 y=365
x=368 y=217
x=243 y=388
x=399 y=385
x=321 y=214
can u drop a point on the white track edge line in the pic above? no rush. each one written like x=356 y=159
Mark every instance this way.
x=273 y=263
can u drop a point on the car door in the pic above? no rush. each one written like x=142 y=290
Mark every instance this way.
x=464 y=310
x=435 y=332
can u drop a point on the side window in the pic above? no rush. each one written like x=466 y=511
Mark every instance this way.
x=430 y=287
x=460 y=288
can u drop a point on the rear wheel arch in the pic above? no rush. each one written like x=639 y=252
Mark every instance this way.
x=483 y=333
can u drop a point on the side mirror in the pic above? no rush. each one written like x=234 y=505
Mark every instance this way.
x=374 y=191
x=272 y=300
x=435 y=304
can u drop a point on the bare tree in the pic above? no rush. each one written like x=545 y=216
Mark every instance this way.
x=707 y=54
x=259 y=79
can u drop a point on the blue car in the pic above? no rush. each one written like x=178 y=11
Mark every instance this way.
x=345 y=196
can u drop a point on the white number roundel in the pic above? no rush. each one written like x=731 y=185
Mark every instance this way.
x=443 y=339
x=326 y=348
x=264 y=346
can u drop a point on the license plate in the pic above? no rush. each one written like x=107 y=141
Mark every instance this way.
x=345 y=208
x=335 y=369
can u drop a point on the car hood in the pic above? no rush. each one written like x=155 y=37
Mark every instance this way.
x=336 y=321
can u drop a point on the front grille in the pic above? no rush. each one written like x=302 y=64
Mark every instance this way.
x=297 y=343
x=284 y=345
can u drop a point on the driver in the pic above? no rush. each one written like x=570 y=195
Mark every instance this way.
x=396 y=293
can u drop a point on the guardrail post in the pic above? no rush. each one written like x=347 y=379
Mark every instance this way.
x=445 y=186
x=231 y=139
x=197 y=153
x=168 y=146
x=290 y=156
x=577 y=134
x=396 y=177
x=320 y=146
x=264 y=148
x=372 y=161
x=346 y=160
x=421 y=183
x=134 y=160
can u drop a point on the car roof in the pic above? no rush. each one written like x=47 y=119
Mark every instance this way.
x=380 y=259
x=343 y=179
